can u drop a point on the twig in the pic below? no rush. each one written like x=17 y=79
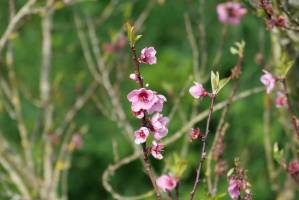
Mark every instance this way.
x=195 y=52
x=290 y=108
x=14 y=22
x=202 y=155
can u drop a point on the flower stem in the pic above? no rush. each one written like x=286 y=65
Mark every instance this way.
x=202 y=155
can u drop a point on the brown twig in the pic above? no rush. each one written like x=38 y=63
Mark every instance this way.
x=290 y=108
x=202 y=155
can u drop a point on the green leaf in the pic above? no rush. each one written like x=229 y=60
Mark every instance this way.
x=233 y=51
x=130 y=33
x=222 y=83
x=277 y=153
x=214 y=81
x=230 y=172
x=137 y=38
x=284 y=66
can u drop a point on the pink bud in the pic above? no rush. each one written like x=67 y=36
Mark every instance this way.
x=197 y=91
x=166 y=182
x=281 y=100
x=268 y=80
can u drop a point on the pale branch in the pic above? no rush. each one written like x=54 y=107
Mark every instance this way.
x=14 y=22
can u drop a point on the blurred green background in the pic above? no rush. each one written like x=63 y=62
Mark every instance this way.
x=165 y=30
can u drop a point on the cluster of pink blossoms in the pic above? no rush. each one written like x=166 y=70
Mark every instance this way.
x=145 y=102
x=269 y=80
x=230 y=12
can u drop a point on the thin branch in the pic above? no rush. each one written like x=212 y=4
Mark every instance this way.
x=14 y=22
x=202 y=155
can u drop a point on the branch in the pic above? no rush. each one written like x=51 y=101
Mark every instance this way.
x=14 y=22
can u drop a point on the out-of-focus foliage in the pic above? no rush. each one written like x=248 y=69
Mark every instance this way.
x=165 y=30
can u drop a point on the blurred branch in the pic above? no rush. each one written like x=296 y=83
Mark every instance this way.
x=14 y=22
x=268 y=146
x=195 y=52
x=46 y=105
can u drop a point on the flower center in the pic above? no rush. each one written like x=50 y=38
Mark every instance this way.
x=143 y=96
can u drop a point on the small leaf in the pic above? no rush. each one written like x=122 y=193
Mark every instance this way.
x=222 y=83
x=233 y=51
x=137 y=38
x=214 y=81
x=284 y=66
x=230 y=172
x=277 y=154
x=130 y=33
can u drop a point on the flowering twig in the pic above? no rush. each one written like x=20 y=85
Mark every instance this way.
x=202 y=154
x=148 y=165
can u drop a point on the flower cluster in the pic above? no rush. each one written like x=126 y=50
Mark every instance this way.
x=273 y=19
x=238 y=184
x=293 y=169
x=269 y=80
x=145 y=102
x=230 y=13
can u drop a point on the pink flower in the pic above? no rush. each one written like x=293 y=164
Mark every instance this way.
x=268 y=80
x=142 y=99
x=293 y=167
x=77 y=141
x=139 y=114
x=195 y=134
x=158 y=106
x=166 y=182
x=281 y=100
x=197 y=91
x=141 y=135
x=159 y=125
x=230 y=12
x=156 y=150
x=148 y=55
x=234 y=188
x=134 y=77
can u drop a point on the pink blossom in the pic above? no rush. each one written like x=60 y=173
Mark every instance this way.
x=139 y=114
x=148 y=55
x=195 y=134
x=268 y=80
x=230 y=12
x=166 y=182
x=158 y=106
x=197 y=91
x=134 y=77
x=142 y=99
x=77 y=141
x=281 y=100
x=156 y=150
x=159 y=125
x=293 y=167
x=234 y=188
x=141 y=135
